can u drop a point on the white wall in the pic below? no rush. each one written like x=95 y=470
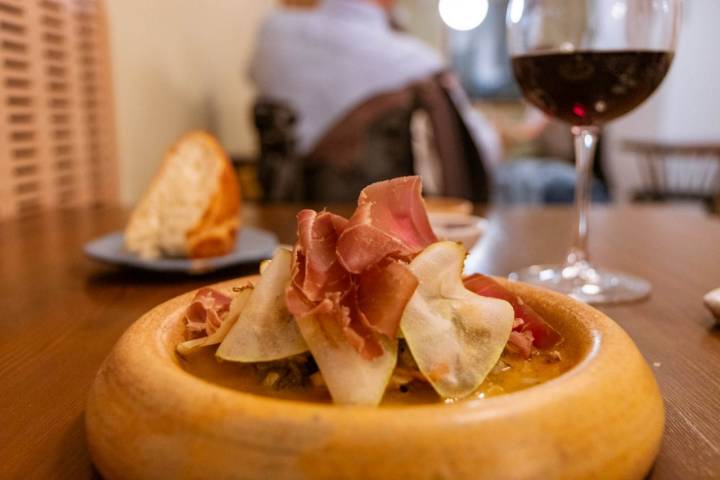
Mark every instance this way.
x=421 y=18
x=687 y=105
x=179 y=65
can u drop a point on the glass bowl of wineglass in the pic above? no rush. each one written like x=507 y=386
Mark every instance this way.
x=587 y=62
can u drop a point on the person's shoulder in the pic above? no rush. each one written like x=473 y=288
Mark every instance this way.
x=283 y=21
x=410 y=49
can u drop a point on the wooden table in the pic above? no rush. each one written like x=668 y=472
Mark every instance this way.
x=61 y=314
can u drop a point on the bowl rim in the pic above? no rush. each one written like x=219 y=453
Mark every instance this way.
x=603 y=418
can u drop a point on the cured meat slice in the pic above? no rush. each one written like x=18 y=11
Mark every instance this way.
x=533 y=327
x=205 y=314
x=390 y=221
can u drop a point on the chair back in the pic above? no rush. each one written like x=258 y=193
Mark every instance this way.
x=372 y=142
x=677 y=171
x=279 y=170
x=57 y=136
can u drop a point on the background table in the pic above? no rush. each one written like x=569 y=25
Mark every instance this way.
x=60 y=314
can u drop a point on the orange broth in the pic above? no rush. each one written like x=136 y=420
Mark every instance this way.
x=516 y=373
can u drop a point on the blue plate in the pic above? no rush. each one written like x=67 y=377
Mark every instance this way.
x=252 y=245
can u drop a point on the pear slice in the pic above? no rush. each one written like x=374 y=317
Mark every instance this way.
x=236 y=306
x=265 y=331
x=454 y=335
x=350 y=378
x=264 y=265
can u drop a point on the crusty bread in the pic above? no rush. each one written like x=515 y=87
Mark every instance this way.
x=192 y=207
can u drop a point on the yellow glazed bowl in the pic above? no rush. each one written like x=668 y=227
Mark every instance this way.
x=147 y=418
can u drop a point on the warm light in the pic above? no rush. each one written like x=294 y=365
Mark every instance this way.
x=516 y=10
x=463 y=14
x=618 y=11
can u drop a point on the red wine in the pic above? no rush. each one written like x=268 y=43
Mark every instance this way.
x=590 y=87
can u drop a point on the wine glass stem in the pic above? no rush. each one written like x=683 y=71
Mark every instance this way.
x=586 y=139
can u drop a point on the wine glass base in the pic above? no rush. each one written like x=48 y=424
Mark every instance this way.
x=586 y=283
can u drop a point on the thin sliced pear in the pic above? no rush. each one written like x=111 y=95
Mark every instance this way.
x=454 y=335
x=265 y=330
x=236 y=306
x=350 y=378
x=264 y=265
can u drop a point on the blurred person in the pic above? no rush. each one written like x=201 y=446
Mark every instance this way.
x=345 y=99
x=540 y=167
x=538 y=150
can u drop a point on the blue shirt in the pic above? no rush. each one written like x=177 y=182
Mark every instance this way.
x=326 y=61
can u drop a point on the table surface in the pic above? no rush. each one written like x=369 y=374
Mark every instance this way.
x=62 y=313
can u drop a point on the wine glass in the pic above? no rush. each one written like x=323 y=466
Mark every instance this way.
x=587 y=62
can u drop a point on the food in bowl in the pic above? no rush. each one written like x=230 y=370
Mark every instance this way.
x=154 y=413
x=369 y=308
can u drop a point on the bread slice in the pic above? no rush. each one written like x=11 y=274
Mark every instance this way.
x=192 y=207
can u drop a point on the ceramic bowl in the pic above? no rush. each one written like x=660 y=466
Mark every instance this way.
x=147 y=418
x=458 y=227
x=448 y=205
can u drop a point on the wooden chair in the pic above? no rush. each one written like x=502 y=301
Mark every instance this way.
x=57 y=136
x=300 y=3
x=279 y=170
x=371 y=142
x=678 y=171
